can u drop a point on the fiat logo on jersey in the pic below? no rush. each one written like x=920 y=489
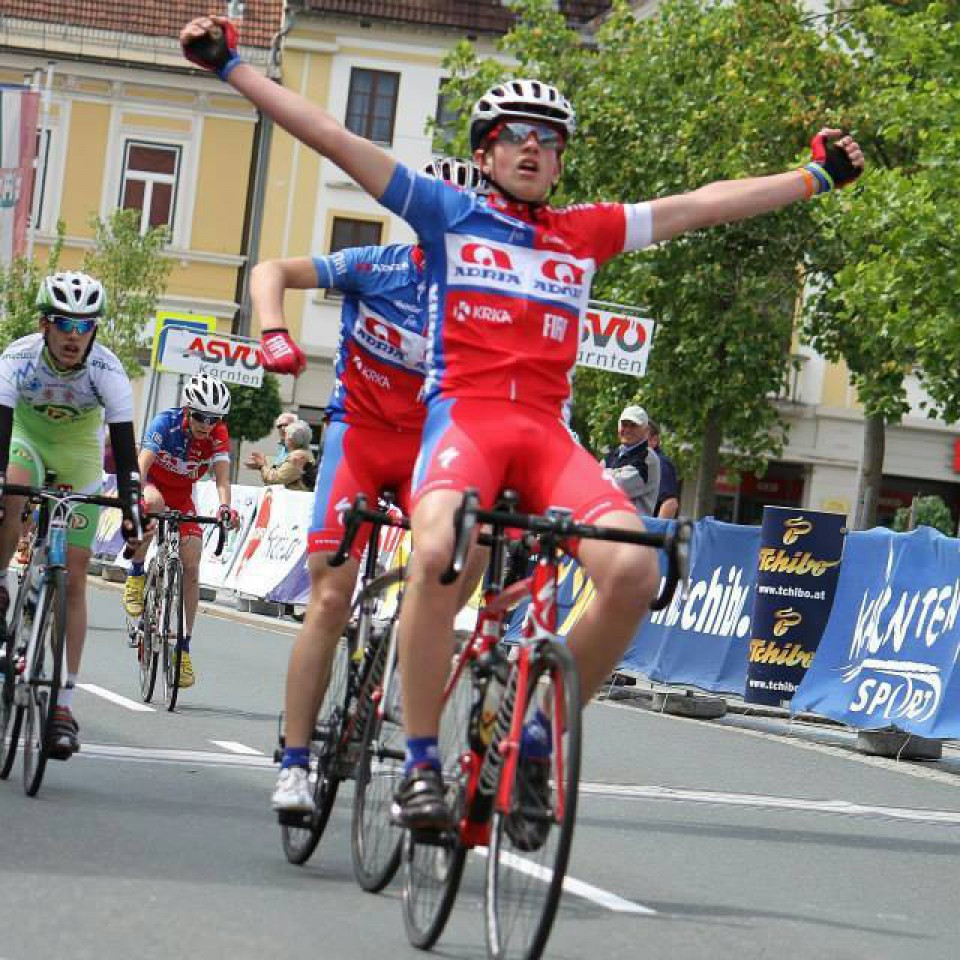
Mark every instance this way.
x=486 y=256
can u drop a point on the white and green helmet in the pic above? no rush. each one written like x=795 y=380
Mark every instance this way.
x=71 y=293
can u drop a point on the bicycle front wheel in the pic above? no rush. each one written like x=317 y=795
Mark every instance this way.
x=172 y=632
x=11 y=716
x=376 y=843
x=148 y=647
x=433 y=864
x=46 y=673
x=535 y=813
x=300 y=839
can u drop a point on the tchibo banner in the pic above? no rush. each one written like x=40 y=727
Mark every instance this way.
x=797 y=570
x=701 y=639
x=889 y=653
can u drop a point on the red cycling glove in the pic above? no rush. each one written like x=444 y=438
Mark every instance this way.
x=279 y=353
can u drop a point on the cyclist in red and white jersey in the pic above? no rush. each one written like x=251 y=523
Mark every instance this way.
x=508 y=277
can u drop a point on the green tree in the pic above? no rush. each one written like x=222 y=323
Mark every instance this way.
x=927 y=512
x=19 y=282
x=885 y=281
x=134 y=271
x=665 y=104
x=253 y=410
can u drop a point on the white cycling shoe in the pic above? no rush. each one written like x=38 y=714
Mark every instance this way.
x=293 y=793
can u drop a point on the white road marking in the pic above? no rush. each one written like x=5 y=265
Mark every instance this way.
x=235 y=747
x=201 y=758
x=840 y=807
x=578 y=888
x=115 y=698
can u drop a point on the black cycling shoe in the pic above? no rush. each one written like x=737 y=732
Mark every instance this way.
x=65 y=735
x=420 y=802
x=529 y=826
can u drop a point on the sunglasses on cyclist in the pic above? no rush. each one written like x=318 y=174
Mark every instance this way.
x=73 y=324
x=517 y=132
x=210 y=419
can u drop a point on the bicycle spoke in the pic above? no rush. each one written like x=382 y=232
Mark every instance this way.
x=532 y=827
x=11 y=715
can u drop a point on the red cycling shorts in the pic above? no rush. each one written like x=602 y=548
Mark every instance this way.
x=493 y=445
x=358 y=459
x=178 y=498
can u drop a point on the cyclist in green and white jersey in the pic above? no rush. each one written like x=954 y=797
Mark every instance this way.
x=55 y=387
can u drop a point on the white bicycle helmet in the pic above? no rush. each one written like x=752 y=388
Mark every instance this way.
x=71 y=293
x=461 y=173
x=520 y=100
x=207 y=394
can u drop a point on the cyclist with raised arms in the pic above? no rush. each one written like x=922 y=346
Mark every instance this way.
x=375 y=420
x=508 y=278
x=180 y=445
x=56 y=386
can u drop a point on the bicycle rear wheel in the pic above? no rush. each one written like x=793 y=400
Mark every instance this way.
x=376 y=843
x=531 y=835
x=11 y=716
x=172 y=632
x=433 y=864
x=301 y=836
x=148 y=649
x=45 y=679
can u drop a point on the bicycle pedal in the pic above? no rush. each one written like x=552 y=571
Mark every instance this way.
x=295 y=818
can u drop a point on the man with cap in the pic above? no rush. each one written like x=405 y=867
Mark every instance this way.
x=633 y=465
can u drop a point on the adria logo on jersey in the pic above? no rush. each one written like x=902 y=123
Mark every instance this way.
x=389 y=342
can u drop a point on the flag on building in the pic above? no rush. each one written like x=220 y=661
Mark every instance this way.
x=18 y=149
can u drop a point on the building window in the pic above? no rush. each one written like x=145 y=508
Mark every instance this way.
x=372 y=104
x=447 y=122
x=149 y=183
x=347 y=233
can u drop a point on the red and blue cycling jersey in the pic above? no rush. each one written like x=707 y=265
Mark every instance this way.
x=381 y=356
x=507 y=285
x=181 y=458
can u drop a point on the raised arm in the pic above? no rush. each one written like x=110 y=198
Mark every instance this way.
x=211 y=43
x=837 y=160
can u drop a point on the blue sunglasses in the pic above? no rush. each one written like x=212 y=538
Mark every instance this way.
x=73 y=324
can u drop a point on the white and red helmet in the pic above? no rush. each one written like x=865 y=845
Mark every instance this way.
x=531 y=100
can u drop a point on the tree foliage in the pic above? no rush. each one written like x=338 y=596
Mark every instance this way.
x=132 y=268
x=927 y=512
x=19 y=282
x=253 y=410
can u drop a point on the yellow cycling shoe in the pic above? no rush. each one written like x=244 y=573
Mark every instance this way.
x=133 y=595
x=187 y=677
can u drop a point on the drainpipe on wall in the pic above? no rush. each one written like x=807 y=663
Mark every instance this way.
x=257 y=185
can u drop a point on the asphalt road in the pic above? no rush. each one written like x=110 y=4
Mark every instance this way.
x=694 y=840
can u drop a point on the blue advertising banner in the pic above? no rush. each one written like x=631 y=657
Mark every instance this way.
x=797 y=570
x=702 y=640
x=889 y=653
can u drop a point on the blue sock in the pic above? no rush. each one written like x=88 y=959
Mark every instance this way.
x=136 y=569
x=536 y=741
x=295 y=757
x=422 y=752
x=184 y=644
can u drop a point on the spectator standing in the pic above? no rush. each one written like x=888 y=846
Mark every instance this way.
x=633 y=466
x=668 y=496
x=296 y=469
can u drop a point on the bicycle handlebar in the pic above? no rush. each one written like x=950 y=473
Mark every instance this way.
x=130 y=510
x=176 y=517
x=353 y=519
x=675 y=543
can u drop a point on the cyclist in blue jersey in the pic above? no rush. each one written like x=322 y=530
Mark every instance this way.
x=374 y=422
x=508 y=278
